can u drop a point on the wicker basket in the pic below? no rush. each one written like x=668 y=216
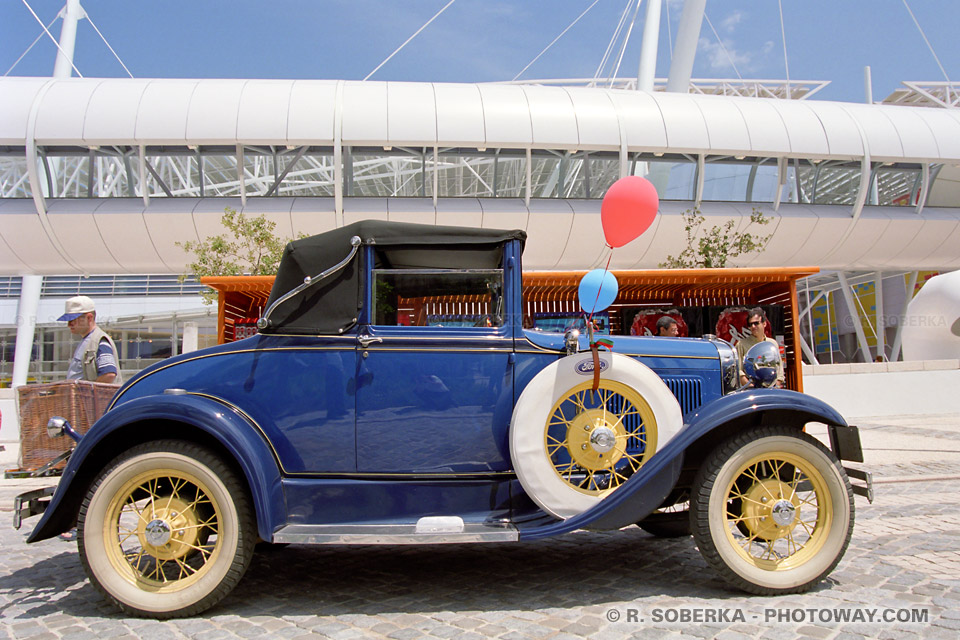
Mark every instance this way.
x=79 y=401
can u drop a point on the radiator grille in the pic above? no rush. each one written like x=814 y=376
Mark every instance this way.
x=687 y=390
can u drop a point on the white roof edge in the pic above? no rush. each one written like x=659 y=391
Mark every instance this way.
x=875 y=120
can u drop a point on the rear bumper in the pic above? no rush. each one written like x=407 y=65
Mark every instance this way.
x=31 y=503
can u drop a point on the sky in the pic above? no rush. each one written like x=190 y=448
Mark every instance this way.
x=489 y=40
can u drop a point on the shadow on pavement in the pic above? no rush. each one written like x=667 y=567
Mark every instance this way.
x=579 y=570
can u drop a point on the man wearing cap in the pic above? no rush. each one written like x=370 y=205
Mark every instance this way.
x=95 y=358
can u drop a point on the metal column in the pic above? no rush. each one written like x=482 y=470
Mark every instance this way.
x=30 y=288
x=649 y=47
x=881 y=324
x=847 y=292
x=685 y=51
x=71 y=13
x=910 y=285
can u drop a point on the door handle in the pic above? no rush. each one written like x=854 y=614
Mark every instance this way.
x=366 y=341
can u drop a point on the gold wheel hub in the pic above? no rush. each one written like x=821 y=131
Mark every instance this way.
x=596 y=439
x=169 y=530
x=766 y=526
x=592 y=440
x=770 y=509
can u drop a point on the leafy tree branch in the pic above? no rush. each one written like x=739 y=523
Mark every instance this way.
x=248 y=247
x=716 y=246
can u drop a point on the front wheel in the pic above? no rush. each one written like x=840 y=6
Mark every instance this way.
x=166 y=530
x=772 y=511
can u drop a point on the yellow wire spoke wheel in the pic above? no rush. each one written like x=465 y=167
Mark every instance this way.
x=772 y=510
x=571 y=447
x=778 y=523
x=597 y=439
x=166 y=530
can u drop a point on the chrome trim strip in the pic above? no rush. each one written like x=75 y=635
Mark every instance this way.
x=444 y=350
x=466 y=338
x=381 y=534
x=402 y=475
x=538 y=349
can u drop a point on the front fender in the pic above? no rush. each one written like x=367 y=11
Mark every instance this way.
x=769 y=405
x=231 y=429
x=637 y=497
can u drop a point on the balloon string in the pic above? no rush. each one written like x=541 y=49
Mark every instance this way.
x=596 y=344
x=606 y=269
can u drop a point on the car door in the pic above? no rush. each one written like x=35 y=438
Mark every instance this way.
x=434 y=379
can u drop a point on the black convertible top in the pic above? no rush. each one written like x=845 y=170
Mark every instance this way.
x=332 y=306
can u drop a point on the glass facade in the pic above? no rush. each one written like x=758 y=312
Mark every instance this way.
x=139 y=347
x=425 y=172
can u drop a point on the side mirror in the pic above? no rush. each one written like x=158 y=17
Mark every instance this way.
x=761 y=363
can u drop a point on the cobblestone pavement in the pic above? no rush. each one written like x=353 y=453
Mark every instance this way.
x=904 y=559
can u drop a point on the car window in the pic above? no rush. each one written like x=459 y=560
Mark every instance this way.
x=438 y=297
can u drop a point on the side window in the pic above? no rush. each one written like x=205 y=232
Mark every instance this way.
x=438 y=297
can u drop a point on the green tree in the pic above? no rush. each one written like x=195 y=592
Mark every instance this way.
x=249 y=247
x=716 y=246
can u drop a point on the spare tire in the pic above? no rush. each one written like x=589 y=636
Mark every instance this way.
x=572 y=446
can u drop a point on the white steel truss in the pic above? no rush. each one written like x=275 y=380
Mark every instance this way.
x=927 y=94
x=778 y=89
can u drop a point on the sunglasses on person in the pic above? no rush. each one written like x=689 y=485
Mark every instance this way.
x=755 y=323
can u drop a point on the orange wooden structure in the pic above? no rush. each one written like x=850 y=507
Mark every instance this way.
x=243 y=298
x=240 y=301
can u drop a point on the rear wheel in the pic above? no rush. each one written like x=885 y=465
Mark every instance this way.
x=772 y=511
x=166 y=530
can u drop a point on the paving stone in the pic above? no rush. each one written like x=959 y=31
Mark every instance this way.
x=547 y=589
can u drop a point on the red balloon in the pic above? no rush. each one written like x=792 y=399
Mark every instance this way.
x=628 y=210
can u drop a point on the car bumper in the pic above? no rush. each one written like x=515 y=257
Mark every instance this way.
x=845 y=442
x=31 y=503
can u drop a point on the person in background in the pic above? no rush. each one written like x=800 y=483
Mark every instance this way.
x=667 y=327
x=95 y=358
x=757 y=325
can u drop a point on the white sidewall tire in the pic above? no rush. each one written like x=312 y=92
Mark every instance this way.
x=837 y=537
x=527 y=426
x=119 y=586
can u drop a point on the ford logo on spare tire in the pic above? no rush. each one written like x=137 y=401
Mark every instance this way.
x=585 y=367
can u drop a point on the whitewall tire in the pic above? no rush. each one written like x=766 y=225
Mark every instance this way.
x=166 y=530
x=571 y=446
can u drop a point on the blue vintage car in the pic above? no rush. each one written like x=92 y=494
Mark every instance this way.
x=393 y=396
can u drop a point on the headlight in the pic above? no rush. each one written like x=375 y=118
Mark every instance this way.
x=761 y=363
x=729 y=366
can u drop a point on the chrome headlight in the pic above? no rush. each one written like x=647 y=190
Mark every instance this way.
x=761 y=364
x=56 y=427
x=729 y=366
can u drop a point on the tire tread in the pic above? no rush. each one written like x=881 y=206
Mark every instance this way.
x=703 y=485
x=237 y=491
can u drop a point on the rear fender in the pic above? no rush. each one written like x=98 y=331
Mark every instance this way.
x=636 y=497
x=203 y=419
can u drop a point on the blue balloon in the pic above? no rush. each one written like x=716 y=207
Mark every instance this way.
x=598 y=289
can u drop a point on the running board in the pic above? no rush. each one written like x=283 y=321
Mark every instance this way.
x=429 y=530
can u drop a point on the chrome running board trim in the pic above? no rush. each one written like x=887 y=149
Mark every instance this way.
x=392 y=534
